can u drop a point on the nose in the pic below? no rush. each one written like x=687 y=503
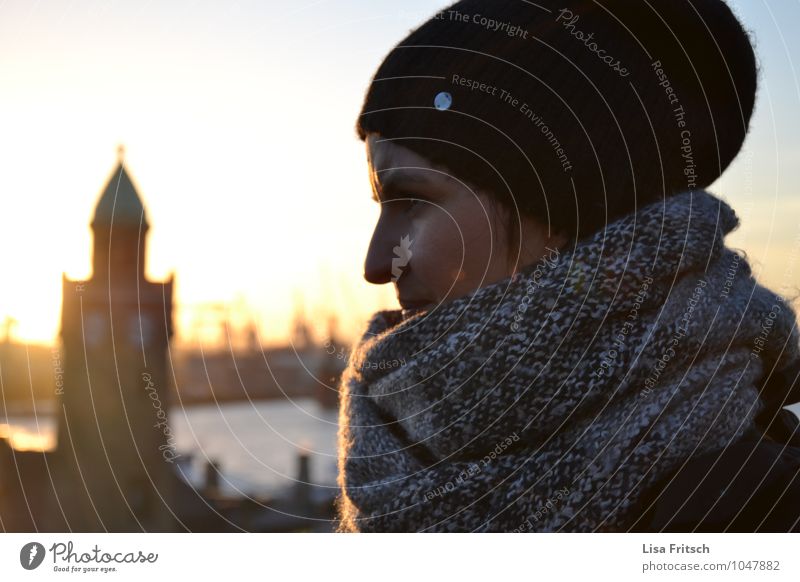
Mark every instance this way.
x=378 y=264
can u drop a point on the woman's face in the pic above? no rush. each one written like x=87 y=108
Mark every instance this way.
x=437 y=238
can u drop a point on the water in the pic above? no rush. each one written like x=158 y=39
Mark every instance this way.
x=256 y=443
x=29 y=433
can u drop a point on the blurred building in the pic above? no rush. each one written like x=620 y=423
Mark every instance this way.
x=115 y=466
x=303 y=368
x=112 y=465
x=113 y=431
x=276 y=373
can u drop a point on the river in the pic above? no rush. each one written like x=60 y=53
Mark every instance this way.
x=255 y=443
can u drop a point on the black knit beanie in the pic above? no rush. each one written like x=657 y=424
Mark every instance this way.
x=575 y=112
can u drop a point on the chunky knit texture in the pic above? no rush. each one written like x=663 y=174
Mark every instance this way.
x=555 y=399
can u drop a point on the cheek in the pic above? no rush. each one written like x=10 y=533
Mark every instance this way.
x=438 y=250
x=452 y=249
x=483 y=248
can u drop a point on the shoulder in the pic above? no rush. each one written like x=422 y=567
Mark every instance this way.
x=751 y=486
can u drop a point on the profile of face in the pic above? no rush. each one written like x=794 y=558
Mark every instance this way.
x=437 y=237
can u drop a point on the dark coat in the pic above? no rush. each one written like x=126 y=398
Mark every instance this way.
x=751 y=486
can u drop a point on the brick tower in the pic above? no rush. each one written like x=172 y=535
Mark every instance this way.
x=115 y=448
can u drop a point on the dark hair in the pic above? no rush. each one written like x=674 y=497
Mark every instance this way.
x=575 y=112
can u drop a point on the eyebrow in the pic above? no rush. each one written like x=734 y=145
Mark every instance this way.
x=396 y=179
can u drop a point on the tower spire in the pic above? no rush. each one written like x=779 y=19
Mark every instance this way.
x=120 y=226
x=120 y=204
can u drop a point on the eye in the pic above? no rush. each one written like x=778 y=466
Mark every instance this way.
x=414 y=203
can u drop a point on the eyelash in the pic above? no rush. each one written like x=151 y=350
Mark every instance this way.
x=412 y=201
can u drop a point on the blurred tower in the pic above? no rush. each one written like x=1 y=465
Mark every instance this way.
x=115 y=446
x=334 y=362
x=301 y=336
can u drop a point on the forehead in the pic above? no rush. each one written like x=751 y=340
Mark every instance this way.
x=391 y=163
x=384 y=154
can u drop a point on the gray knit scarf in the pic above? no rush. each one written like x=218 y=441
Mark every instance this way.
x=555 y=399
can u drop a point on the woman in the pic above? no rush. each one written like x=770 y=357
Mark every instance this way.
x=576 y=349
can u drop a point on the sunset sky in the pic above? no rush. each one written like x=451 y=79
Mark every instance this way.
x=237 y=119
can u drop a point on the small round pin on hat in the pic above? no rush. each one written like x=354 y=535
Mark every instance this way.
x=443 y=101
